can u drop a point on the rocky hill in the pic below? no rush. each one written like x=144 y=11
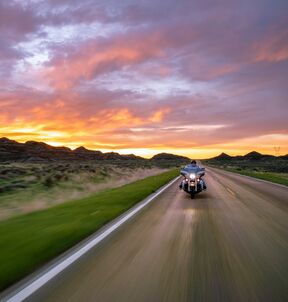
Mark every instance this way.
x=169 y=157
x=251 y=156
x=254 y=161
x=284 y=157
x=258 y=156
x=32 y=151
x=222 y=156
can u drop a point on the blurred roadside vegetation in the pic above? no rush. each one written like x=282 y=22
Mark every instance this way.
x=274 y=170
x=28 y=187
x=31 y=240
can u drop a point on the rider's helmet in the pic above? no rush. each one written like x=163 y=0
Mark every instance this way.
x=193 y=162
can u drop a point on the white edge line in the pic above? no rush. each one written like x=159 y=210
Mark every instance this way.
x=31 y=288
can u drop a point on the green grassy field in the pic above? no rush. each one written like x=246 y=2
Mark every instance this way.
x=271 y=169
x=31 y=240
x=26 y=187
x=280 y=178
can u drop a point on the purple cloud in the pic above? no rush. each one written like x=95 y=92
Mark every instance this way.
x=157 y=70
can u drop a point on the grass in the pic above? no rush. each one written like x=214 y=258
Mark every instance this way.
x=25 y=187
x=280 y=178
x=31 y=240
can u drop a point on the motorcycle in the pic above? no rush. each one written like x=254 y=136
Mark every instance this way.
x=192 y=182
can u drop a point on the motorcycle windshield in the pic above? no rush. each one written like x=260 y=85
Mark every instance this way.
x=187 y=171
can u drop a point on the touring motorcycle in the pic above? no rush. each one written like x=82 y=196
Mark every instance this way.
x=192 y=182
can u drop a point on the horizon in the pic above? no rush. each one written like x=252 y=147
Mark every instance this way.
x=147 y=157
x=192 y=79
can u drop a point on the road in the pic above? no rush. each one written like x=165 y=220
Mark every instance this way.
x=229 y=244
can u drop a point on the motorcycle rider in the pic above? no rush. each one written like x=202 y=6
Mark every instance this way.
x=194 y=165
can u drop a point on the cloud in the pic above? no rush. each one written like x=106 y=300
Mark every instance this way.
x=100 y=56
x=151 y=74
x=273 y=47
x=17 y=21
x=177 y=121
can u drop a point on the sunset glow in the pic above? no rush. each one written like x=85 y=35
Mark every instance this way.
x=187 y=77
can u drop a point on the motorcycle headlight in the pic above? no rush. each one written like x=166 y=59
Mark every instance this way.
x=192 y=176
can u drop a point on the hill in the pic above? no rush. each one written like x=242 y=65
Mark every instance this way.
x=251 y=161
x=31 y=151
x=253 y=155
x=169 y=157
x=222 y=156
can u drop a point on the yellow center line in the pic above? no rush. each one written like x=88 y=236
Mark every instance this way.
x=230 y=191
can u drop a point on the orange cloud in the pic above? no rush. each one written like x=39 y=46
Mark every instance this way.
x=114 y=118
x=94 y=58
x=274 y=47
x=59 y=123
x=117 y=118
x=159 y=115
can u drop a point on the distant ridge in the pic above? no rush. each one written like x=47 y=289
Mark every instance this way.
x=168 y=156
x=253 y=155
x=82 y=150
x=31 y=151
x=222 y=156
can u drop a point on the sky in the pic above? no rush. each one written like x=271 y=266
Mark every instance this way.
x=190 y=77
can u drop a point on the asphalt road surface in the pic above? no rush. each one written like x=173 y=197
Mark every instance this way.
x=229 y=244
